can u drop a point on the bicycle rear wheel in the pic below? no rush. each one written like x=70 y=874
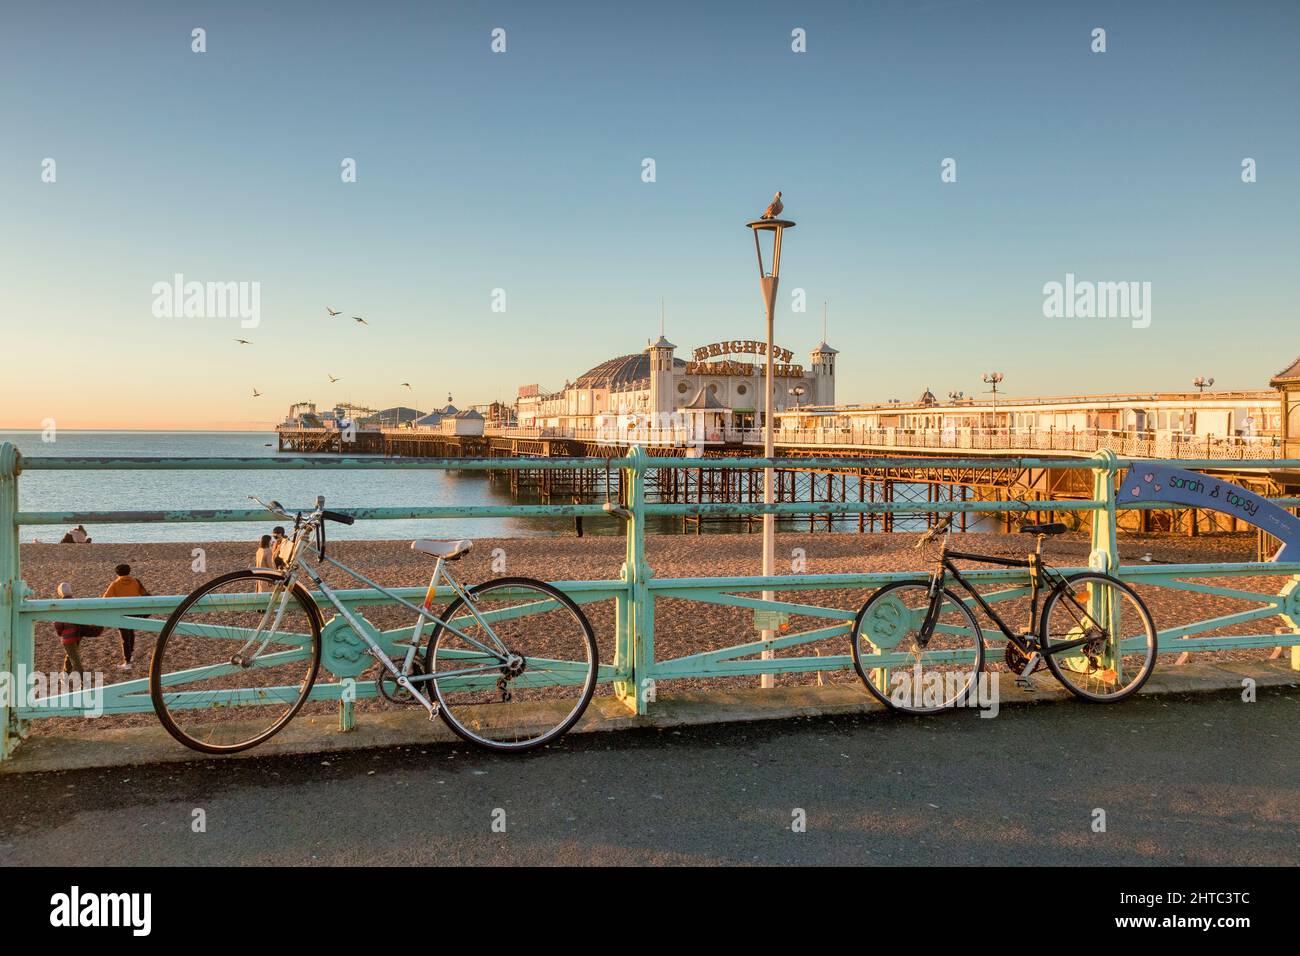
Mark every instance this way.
x=235 y=662
x=901 y=673
x=1086 y=621
x=527 y=694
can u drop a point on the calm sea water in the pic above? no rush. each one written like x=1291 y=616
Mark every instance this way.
x=170 y=490
x=155 y=490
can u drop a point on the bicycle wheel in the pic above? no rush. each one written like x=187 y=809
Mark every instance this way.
x=235 y=661
x=1081 y=620
x=902 y=674
x=527 y=694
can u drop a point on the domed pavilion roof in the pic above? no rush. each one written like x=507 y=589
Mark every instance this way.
x=623 y=370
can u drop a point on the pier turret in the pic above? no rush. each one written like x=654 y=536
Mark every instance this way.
x=823 y=375
x=662 y=399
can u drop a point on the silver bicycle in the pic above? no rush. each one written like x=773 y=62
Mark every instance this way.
x=510 y=664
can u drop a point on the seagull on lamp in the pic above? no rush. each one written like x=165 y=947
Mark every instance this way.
x=774 y=208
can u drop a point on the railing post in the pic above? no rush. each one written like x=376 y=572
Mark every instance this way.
x=634 y=650
x=1105 y=549
x=11 y=593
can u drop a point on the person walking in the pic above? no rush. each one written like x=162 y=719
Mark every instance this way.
x=70 y=636
x=124 y=585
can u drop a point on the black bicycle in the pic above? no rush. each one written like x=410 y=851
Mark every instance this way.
x=919 y=647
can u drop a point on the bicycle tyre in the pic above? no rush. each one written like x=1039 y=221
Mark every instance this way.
x=157 y=665
x=449 y=711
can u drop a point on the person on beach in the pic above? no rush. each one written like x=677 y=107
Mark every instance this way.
x=264 y=558
x=280 y=546
x=70 y=636
x=76 y=536
x=124 y=585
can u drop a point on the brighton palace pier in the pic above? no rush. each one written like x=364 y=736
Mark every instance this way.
x=710 y=404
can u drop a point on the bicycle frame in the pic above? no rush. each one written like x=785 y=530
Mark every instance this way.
x=1031 y=648
x=296 y=563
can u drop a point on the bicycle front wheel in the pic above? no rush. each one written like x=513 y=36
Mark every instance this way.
x=1098 y=638
x=517 y=670
x=905 y=670
x=235 y=662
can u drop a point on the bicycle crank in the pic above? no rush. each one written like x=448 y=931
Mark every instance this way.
x=393 y=692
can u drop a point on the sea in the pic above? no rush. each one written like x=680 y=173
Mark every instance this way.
x=80 y=491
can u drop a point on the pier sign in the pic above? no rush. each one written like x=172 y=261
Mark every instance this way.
x=741 y=347
x=1158 y=481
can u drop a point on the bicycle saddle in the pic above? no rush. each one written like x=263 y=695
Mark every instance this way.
x=1054 y=528
x=447 y=550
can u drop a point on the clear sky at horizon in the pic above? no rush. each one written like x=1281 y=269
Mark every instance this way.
x=522 y=171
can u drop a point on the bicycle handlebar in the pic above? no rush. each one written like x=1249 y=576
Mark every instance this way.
x=944 y=524
x=319 y=514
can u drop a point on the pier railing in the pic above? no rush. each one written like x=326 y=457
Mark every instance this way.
x=635 y=670
x=1081 y=442
x=1021 y=441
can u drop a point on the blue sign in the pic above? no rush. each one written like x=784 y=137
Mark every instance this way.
x=1158 y=481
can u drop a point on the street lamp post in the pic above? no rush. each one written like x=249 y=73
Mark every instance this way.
x=768 y=281
x=993 y=378
x=1200 y=383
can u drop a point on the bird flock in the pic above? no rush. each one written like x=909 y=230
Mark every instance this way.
x=332 y=378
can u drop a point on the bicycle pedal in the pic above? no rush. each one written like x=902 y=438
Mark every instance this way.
x=1025 y=683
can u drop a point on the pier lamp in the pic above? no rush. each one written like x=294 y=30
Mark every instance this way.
x=1201 y=384
x=798 y=392
x=956 y=396
x=768 y=231
x=993 y=378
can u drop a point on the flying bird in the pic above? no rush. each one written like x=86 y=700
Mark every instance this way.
x=256 y=393
x=331 y=378
x=331 y=311
x=407 y=384
x=358 y=318
x=243 y=341
x=774 y=208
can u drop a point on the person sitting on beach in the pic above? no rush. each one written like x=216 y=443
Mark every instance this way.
x=124 y=585
x=76 y=536
x=70 y=636
x=264 y=558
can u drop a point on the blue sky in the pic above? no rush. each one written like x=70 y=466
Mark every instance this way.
x=522 y=171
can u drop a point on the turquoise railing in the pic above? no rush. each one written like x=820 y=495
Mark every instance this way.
x=635 y=670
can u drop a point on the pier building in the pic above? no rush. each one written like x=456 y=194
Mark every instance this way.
x=655 y=392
